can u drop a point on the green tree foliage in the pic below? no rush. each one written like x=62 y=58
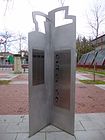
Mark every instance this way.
x=83 y=46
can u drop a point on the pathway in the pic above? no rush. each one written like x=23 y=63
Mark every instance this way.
x=89 y=126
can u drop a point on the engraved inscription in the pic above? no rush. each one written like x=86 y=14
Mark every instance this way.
x=62 y=79
x=38 y=66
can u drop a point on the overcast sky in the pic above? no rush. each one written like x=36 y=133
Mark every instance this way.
x=18 y=16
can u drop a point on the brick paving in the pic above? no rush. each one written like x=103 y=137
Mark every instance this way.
x=89 y=98
x=14 y=97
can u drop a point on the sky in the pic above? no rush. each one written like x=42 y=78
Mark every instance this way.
x=18 y=16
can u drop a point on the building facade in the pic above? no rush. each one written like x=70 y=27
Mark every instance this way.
x=100 y=41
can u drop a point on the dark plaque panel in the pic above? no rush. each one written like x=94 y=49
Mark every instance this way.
x=38 y=66
x=62 y=79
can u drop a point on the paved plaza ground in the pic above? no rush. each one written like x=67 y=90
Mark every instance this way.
x=89 y=97
x=14 y=96
x=14 y=119
x=16 y=127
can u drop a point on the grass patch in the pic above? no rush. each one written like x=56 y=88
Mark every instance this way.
x=101 y=72
x=17 y=72
x=4 y=82
x=92 y=82
x=85 y=70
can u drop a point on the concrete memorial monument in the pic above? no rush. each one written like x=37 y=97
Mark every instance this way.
x=17 y=63
x=52 y=61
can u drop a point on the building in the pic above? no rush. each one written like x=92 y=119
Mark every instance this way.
x=24 y=56
x=96 y=57
x=100 y=42
x=4 y=57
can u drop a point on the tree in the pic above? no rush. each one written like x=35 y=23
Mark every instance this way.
x=21 y=38
x=96 y=20
x=83 y=46
x=6 y=36
x=19 y=42
x=11 y=39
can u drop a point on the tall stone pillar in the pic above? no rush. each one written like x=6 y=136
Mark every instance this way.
x=17 y=63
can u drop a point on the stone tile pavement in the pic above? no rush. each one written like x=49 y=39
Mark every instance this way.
x=81 y=77
x=101 y=86
x=90 y=126
x=6 y=76
x=19 y=82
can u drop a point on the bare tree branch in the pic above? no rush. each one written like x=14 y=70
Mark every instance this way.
x=61 y=2
x=97 y=18
x=6 y=7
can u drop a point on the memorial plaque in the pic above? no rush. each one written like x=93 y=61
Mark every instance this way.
x=62 y=79
x=38 y=66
